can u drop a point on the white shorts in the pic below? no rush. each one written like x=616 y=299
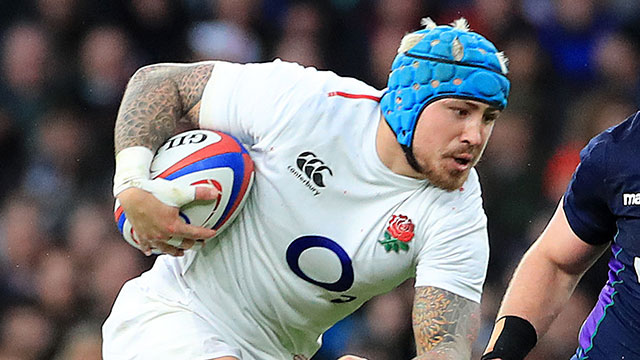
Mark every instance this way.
x=144 y=325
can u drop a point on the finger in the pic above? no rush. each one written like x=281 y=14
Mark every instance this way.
x=182 y=195
x=187 y=244
x=193 y=232
x=206 y=193
x=167 y=249
x=147 y=251
x=175 y=242
x=199 y=244
x=169 y=193
x=145 y=247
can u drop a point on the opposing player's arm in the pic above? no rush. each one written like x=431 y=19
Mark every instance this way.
x=158 y=99
x=445 y=325
x=557 y=260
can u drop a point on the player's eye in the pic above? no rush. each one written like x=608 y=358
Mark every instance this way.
x=461 y=112
x=490 y=117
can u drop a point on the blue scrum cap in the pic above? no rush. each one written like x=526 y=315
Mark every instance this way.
x=438 y=62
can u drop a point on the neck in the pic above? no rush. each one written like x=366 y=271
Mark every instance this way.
x=390 y=152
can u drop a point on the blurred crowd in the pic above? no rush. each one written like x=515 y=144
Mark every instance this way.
x=63 y=68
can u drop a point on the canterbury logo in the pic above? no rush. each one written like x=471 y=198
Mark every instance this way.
x=314 y=168
x=631 y=199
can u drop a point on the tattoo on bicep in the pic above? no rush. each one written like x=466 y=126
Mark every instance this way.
x=156 y=99
x=192 y=87
x=443 y=321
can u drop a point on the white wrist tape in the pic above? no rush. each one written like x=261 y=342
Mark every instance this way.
x=132 y=166
x=167 y=192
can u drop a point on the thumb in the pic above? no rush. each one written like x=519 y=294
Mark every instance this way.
x=169 y=193
x=206 y=193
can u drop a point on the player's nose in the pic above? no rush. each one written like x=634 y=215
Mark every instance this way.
x=473 y=131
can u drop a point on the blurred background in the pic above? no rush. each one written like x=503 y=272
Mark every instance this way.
x=63 y=68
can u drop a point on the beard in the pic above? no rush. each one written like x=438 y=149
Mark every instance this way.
x=447 y=180
x=437 y=174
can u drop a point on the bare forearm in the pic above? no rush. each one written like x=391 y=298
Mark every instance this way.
x=157 y=98
x=541 y=286
x=445 y=325
x=441 y=354
x=539 y=290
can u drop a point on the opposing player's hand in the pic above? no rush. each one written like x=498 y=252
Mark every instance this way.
x=154 y=216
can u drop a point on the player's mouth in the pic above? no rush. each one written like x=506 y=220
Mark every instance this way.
x=462 y=162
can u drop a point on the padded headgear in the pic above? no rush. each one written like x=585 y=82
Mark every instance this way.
x=428 y=71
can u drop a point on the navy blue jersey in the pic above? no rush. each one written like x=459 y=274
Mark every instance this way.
x=602 y=205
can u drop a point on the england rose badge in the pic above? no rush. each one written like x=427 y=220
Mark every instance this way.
x=398 y=234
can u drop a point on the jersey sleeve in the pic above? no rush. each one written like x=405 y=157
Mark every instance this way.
x=258 y=101
x=585 y=201
x=455 y=255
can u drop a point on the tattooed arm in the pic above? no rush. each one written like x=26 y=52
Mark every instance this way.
x=160 y=100
x=157 y=99
x=445 y=325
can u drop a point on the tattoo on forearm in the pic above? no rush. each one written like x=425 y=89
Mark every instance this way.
x=156 y=99
x=444 y=323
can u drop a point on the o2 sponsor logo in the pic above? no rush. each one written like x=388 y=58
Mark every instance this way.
x=344 y=282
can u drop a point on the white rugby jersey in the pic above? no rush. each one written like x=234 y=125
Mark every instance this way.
x=327 y=225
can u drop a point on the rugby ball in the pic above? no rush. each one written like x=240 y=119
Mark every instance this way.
x=201 y=158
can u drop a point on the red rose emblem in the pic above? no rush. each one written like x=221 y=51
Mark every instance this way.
x=401 y=228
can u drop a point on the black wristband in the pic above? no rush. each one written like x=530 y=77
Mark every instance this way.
x=515 y=341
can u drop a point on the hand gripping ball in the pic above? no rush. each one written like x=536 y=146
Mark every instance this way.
x=201 y=158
